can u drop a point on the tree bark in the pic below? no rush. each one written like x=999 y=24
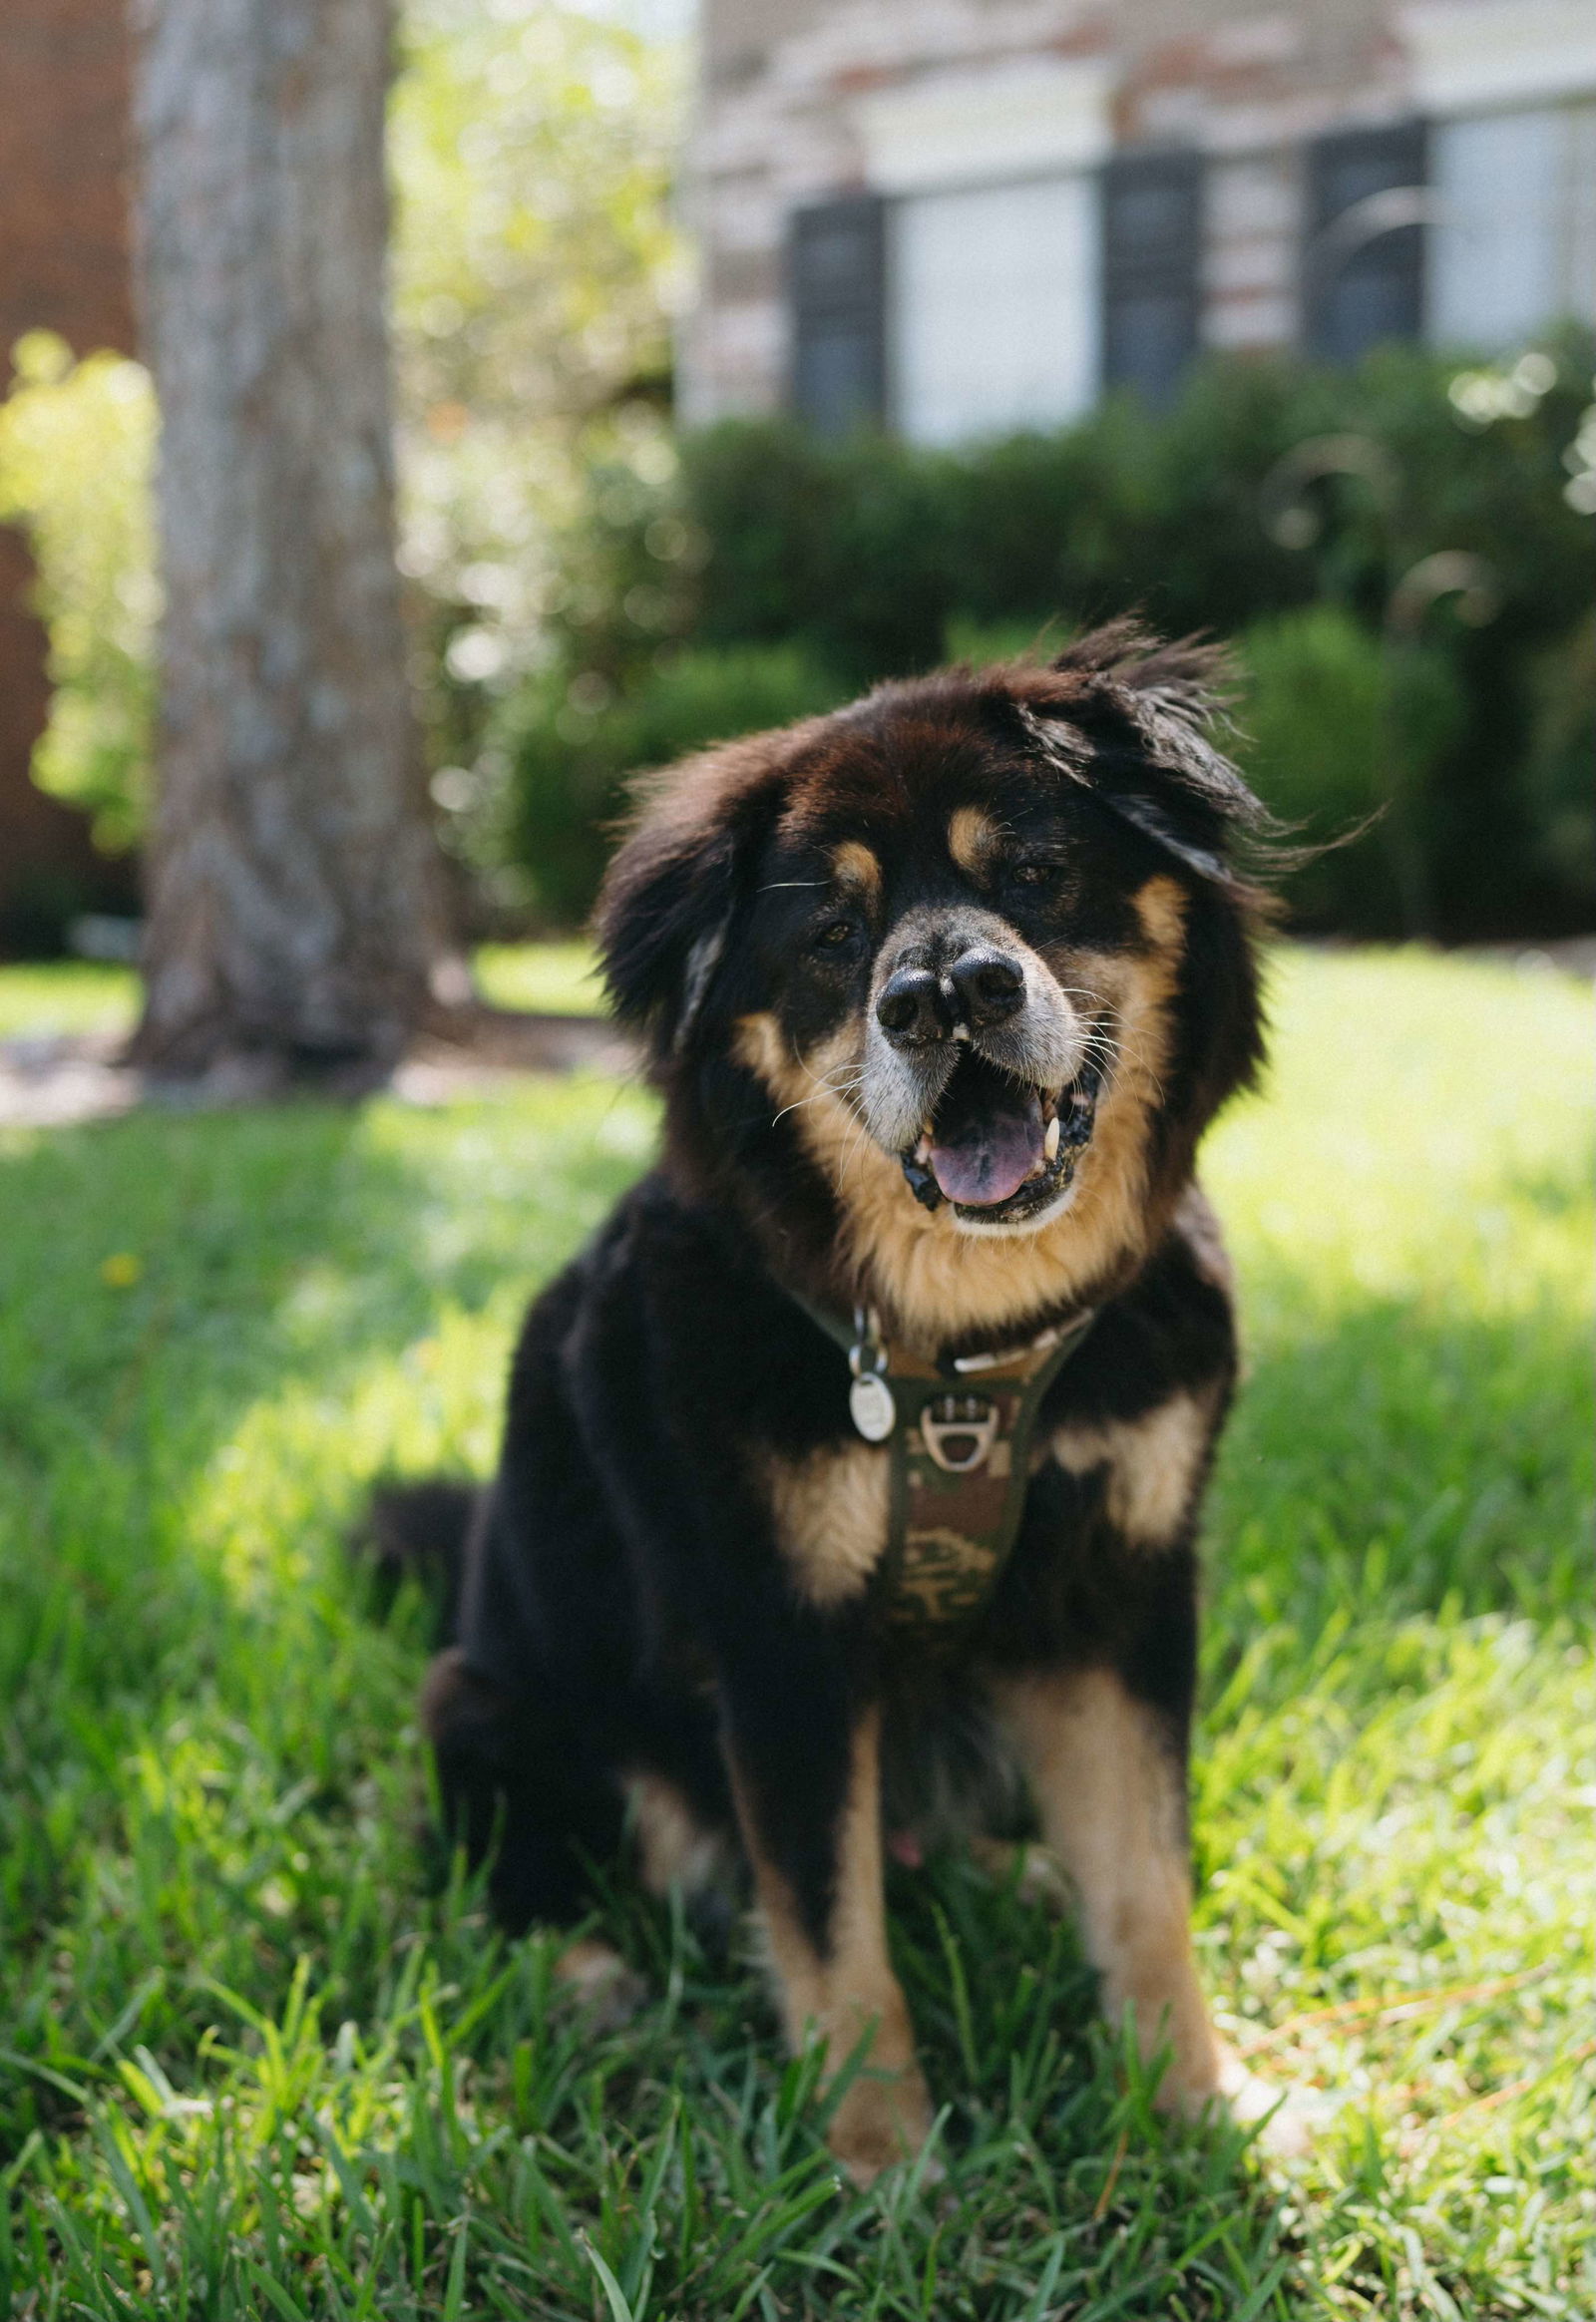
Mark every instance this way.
x=294 y=898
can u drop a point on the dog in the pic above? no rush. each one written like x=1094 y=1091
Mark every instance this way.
x=851 y=1476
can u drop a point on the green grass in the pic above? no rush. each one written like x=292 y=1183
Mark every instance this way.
x=68 y=996
x=76 y=996
x=255 y=2065
x=558 y=979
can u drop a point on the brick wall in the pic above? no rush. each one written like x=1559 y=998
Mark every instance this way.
x=64 y=266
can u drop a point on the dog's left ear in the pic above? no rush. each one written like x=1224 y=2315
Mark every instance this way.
x=668 y=898
x=1153 y=758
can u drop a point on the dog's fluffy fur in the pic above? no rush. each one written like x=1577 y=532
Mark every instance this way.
x=668 y=1606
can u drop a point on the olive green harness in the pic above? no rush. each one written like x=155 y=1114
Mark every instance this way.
x=959 y=1436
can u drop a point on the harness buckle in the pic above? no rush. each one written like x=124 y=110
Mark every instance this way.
x=960 y=1431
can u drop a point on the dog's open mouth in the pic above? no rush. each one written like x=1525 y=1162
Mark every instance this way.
x=999 y=1148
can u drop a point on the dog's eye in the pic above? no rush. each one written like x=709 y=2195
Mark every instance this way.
x=835 y=936
x=1033 y=870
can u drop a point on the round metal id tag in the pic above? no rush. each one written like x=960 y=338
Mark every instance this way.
x=873 y=1412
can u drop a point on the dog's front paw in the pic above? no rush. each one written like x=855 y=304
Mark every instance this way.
x=882 y=2118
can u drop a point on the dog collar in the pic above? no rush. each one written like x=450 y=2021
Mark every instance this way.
x=957 y=1433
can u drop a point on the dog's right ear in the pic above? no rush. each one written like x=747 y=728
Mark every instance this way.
x=668 y=899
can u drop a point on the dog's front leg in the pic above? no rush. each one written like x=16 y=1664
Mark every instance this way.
x=811 y=1823
x=1109 y=1791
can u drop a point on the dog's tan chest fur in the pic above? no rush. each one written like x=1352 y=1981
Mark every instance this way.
x=1154 y=1464
x=831 y=1507
x=830 y=1511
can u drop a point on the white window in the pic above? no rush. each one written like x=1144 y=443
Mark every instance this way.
x=1514 y=244
x=993 y=234
x=993 y=309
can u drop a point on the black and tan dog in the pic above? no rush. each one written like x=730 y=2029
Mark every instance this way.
x=851 y=1477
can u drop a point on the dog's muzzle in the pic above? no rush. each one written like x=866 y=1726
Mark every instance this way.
x=986 y=1060
x=998 y=1149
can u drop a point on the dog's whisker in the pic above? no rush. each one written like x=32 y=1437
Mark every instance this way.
x=825 y=1086
x=828 y=1089
x=798 y=1104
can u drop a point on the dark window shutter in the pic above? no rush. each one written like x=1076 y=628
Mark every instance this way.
x=1360 y=285
x=838 y=290
x=1152 y=249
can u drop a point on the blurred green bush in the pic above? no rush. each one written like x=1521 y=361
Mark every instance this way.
x=1344 y=738
x=868 y=558
x=533 y=258
x=76 y=445
x=1558 y=776
x=678 y=594
x=572 y=745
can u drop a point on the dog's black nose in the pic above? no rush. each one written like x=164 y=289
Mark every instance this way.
x=911 y=1006
x=990 y=985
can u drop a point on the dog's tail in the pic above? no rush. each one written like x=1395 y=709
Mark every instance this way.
x=419 y=1531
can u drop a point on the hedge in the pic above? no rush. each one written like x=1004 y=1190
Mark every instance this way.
x=777 y=573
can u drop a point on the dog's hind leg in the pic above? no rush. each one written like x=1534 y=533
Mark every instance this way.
x=520 y=1792
x=818 y=1875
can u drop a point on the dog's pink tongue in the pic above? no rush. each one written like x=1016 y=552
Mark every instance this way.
x=981 y=1160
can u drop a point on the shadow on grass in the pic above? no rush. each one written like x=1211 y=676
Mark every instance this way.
x=1395 y=1461
x=191 y=1700
x=163 y=1274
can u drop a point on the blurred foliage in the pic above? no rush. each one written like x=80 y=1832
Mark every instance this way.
x=869 y=558
x=534 y=268
x=573 y=745
x=1344 y=737
x=1559 y=775
x=76 y=445
x=1312 y=715
x=865 y=548
x=531 y=148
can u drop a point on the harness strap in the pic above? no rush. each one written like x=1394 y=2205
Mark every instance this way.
x=959 y=1436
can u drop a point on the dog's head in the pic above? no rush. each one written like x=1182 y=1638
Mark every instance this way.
x=949 y=984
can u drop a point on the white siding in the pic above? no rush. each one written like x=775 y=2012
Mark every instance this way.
x=994 y=321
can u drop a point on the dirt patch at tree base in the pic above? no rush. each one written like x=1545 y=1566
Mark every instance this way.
x=54 y=1080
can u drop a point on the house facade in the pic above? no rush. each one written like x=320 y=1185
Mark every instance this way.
x=958 y=218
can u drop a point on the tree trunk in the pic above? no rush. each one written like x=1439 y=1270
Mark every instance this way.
x=294 y=898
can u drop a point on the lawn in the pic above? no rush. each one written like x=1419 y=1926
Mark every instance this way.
x=261 y=2060
x=77 y=996
x=67 y=995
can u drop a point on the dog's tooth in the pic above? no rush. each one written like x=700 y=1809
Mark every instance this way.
x=1050 y=1143
x=922 y=1151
